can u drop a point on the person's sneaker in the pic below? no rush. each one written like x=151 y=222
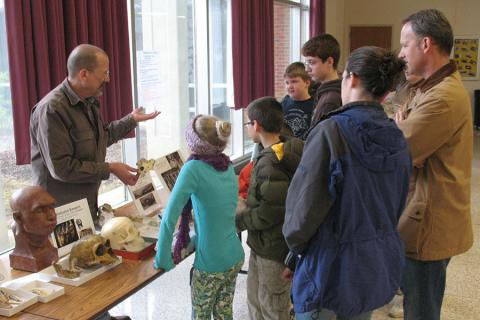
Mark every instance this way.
x=120 y=318
x=396 y=310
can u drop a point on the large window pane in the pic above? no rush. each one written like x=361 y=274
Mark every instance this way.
x=191 y=60
x=12 y=176
x=218 y=58
x=165 y=72
x=290 y=29
x=282 y=43
x=288 y=40
x=220 y=63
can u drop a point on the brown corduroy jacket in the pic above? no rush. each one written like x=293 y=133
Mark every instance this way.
x=436 y=223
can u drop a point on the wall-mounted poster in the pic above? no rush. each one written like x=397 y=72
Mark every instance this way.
x=465 y=54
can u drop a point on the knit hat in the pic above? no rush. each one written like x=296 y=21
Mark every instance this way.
x=207 y=135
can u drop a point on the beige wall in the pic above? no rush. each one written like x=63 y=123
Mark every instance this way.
x=341 y=14
x=335 y=24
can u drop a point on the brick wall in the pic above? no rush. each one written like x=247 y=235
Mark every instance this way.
x=281 y=34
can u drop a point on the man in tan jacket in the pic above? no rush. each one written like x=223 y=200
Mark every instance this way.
x=437 y=123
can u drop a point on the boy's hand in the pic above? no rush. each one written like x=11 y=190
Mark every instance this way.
x=241 y=205
x=287 y=274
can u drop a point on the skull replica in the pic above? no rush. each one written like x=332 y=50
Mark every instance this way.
x=123 y=235
x=144 y=166
x=86 y=253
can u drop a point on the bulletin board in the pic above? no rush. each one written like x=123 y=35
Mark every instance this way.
x=465 y=54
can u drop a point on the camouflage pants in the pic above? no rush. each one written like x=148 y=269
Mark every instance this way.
x=212 y=293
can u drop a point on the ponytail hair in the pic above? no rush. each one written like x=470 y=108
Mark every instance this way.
x=379 y=70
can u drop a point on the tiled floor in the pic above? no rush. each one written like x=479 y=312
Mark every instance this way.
x=169 y=296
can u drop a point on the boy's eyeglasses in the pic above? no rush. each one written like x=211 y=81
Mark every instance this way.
x=249 y=123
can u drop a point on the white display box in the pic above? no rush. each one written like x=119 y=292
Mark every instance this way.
x=50 y=290
x=27 y=299
x=49 y=274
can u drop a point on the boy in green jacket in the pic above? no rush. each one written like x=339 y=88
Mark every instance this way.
x=268 y=294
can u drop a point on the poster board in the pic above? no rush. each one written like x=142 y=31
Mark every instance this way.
x=74 y=222
x=465 y=54
x=167 y=169
x=144 y=195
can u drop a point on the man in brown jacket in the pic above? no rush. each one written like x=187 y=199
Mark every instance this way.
x=437 y=123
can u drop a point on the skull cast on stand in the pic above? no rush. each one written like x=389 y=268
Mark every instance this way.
x=87 y=253
x=123 y=234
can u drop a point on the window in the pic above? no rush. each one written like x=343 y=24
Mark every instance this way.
x=12 y=176
x=165 y=72
x=290 y=32
x=183 y=68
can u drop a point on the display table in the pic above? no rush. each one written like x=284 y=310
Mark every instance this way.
x=94 y=297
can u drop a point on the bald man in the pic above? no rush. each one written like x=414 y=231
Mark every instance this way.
x=68 y=138
x=34 y=219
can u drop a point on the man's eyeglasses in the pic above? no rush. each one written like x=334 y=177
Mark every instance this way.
x=106 y=73
x=249 y=123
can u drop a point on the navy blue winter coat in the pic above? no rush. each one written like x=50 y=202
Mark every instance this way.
x=342 y=211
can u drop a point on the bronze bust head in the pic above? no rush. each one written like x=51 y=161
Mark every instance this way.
x=34 y=219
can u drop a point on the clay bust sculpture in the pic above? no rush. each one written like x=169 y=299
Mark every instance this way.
x=34 y=219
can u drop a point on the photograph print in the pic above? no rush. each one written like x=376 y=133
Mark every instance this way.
x=143 y=190
x=148 y=201
x=65 y=233
x=174 y=160
x=169 y=177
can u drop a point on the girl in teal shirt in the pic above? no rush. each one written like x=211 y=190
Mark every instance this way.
x=206 y=183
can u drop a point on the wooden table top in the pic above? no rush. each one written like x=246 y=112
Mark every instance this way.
x=93 y=297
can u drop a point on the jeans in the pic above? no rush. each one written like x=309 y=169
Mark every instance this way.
x=423 y=285
x=325 y=314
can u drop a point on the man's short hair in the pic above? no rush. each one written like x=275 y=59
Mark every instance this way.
x=267 y=111
x=323 y=46
x=84 y=56
x=296 y=69
x=432 y=23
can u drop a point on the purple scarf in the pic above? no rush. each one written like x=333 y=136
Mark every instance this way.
x=218 y=161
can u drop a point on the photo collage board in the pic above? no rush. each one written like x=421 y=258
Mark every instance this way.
x=144 y=194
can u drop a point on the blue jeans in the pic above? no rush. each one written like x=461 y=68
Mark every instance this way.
x=423 y=285
x=325 y=314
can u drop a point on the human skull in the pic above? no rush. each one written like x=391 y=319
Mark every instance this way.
x=122 y=234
